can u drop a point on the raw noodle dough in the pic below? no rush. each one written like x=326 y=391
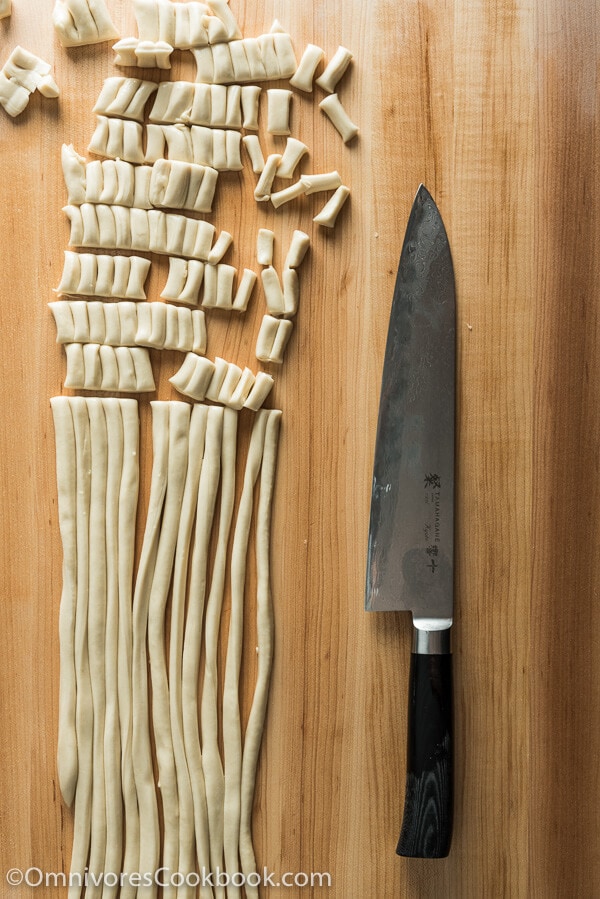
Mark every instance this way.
x=149 y=835
x=179 y=426
x=278 y=111
x=66 y=476
x=80 y=22
x=304 y=74
x=98 y=275
x=338 y=116
x=335 y=69
x=232 y=727
x=264 y=617
x=132 y=52
x=113 y=860
x=128 y=496
x=84 y=709
x=328 y=215
x=125 y=97
x=21 y=74
x=188 y=667
x=211 y=757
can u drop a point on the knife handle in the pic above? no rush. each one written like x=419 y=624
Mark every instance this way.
x=427 y=822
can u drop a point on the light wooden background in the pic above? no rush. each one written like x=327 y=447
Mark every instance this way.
x=495 y=107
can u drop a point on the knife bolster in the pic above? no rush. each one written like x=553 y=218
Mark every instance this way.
x=431 y=642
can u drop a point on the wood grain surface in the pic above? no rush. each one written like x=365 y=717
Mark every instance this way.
x=494 y=106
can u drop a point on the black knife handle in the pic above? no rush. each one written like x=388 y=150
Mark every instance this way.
x=427 y=822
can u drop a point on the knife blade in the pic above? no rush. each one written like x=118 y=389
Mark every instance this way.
x=410 y=559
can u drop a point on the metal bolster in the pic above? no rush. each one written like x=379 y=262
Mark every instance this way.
x=431 y=642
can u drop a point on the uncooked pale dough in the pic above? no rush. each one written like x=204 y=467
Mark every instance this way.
x=194 y=376
x=96 y=635
x=250 y=106
x=320 y=182
x=80 y=22
x=124 y=97
x=335 y=69
x=328 y=215
x=113 y=860
x=297 y=251
x=278 y=111
x=212 y=105
x=66 y=476
x=128 y=496
x=116 y=227
x=149 y=835
x=187 y=667
x=338 y=116
x=209 y=727
x=288 y=193
x=260 y=391
x=220 y=247
x=98 y=275
x=5 y=8
x=213 y=147
x=185 y=25
x=269 y=57
x=84 y=708
x=272 y=339
x=252 y=144
x=264 y=246
x=232 y=726
x=92 y=366
x=221 y=381
x=118 y=139
x=21 y=74
x=179 y=428
x=265 y=627
x=173 y=103
x=293 y=153
x=196 y=443
x=291 y=292
x=108 y=181
x=166 y=327
x=218 y=286
x=304 y=74
x=184 y=281
x=244 y=290
x=273 y=291
x=262 y=191
x=132 y=52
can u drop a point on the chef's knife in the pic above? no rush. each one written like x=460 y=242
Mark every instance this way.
x=411 y=532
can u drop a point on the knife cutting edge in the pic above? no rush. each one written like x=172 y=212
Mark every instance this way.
x=410 y=562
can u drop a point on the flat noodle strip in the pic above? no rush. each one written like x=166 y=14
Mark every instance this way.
x=97 y=634
x=264 y=618
x=66 y=477
x=128 y=498
x=84 y=709
x=179 y=425
x=196 y=443
x=112 y=731
x=211 y=758
x=141 y=752
x=232 y=728
x=206 y=500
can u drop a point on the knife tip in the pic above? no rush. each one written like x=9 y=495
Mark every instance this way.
x=423 y=194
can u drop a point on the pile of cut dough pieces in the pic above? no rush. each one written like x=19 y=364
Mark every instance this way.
x=139 y=683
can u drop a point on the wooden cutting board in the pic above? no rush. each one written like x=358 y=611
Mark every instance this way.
x=495 y=107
